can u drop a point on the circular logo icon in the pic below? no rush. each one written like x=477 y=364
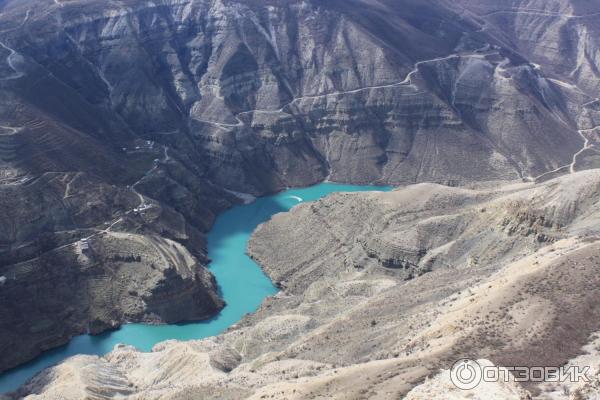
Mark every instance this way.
x=466 y=374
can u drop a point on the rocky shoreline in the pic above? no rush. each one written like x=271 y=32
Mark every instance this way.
x=490 y=284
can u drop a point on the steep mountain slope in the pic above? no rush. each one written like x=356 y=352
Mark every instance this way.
x=130 y=116
x=504 y=273
x=290 y=93
x=563 y=41
x=561 y=36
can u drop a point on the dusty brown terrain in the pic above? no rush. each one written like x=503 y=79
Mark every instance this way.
x=503 y=273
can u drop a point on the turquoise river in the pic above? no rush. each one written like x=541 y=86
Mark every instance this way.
x=241 y=281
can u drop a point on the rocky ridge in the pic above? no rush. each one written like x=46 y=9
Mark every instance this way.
x=511 y=279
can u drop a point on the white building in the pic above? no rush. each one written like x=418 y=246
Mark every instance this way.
x=84 y=245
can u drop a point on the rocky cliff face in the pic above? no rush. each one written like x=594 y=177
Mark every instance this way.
x=118 y=278
x=109 y=108
x=511 y=278
x=68 y=268
x=263 y=96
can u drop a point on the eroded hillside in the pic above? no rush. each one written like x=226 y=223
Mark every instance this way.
x=506 y=274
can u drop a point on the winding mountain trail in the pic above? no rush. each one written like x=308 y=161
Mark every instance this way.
x=12 y=130
x=586 y=146
x=408 y=82
x=141 y=197
x=10 y=61
x=572 y=165
x=540 y=13
x=405 y=82
x=585 y=105
x=166 y=158
x=27 y=15
x=67 y=193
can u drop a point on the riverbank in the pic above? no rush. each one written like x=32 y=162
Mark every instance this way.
x=242 y=284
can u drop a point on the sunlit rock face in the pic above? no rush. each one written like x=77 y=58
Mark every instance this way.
x=266 y=95
x=109 y=108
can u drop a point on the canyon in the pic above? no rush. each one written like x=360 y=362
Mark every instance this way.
x=126 y=127
x=505 y=273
